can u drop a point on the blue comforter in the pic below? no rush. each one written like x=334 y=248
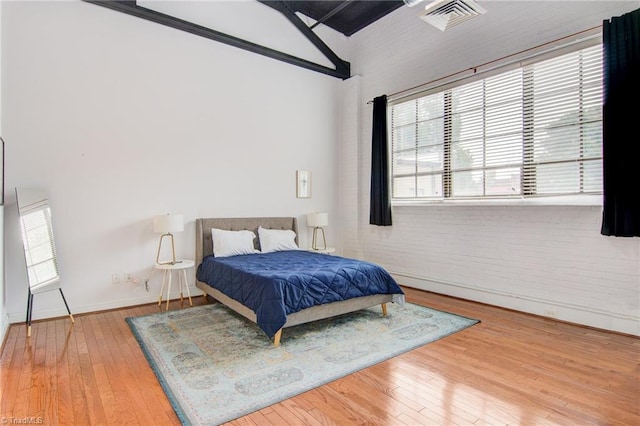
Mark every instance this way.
x=276 y=284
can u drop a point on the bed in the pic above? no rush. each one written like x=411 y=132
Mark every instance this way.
x=264 y=285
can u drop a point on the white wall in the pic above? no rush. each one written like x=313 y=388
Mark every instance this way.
x=545 y=260
x=4 y=318
x=120 y=119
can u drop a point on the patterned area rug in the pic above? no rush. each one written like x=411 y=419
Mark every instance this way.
x=215 y=365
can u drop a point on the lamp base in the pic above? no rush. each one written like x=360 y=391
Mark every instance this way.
x=169 y=262
x=173 y=251
x=314 y=242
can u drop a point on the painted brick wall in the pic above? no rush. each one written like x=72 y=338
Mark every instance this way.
x=547 y=260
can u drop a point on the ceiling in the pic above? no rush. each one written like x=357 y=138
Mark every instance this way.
x=345 y=16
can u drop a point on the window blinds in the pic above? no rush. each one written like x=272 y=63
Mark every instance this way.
x=563 y=126
x=531 y=131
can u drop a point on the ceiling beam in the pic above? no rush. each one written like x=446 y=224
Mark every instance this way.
x=282 y=7
x=130 y=7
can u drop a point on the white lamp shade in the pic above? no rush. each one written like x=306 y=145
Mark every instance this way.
x=166 y=223
x=317 y=219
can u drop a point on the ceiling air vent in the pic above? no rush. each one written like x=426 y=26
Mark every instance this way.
x=444 y=14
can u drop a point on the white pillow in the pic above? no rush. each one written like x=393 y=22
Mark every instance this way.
x=231 y=243
x=276 y=239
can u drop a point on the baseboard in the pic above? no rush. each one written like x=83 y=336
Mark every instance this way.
x=18 y=317
x=597 y=318
x=601 y=319
x=4 y=329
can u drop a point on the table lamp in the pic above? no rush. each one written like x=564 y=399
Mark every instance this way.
x=165 y=224
x=317 y=221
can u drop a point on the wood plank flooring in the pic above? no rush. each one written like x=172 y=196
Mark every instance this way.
x=511 y=369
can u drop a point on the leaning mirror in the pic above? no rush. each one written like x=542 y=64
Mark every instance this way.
x=39 y=246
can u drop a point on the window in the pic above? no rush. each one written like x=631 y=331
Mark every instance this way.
x=527 y=132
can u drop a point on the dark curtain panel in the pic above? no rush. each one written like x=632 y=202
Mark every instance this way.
x=621 y=136
x=380 y=207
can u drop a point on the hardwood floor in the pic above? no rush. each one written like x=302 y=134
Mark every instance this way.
x=512 y=368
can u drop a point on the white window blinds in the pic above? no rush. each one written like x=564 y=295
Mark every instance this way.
x=531 y=131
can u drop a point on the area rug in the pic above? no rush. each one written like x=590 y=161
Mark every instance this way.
x=215 y=365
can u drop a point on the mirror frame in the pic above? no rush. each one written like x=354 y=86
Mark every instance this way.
x=38 y=242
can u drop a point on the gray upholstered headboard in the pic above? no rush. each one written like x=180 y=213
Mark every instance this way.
x=204 y=243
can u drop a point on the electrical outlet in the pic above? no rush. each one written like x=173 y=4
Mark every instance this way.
x=128 y=277
x=146 y=285
x=115 y=278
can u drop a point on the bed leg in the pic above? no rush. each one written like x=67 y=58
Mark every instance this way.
x=276 y=338
x=384 y=309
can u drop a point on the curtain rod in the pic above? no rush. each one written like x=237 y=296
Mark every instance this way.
x=475 y=68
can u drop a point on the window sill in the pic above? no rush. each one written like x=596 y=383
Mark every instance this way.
x=579 y=200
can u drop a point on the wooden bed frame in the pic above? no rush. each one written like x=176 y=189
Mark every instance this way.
x=204 y=247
